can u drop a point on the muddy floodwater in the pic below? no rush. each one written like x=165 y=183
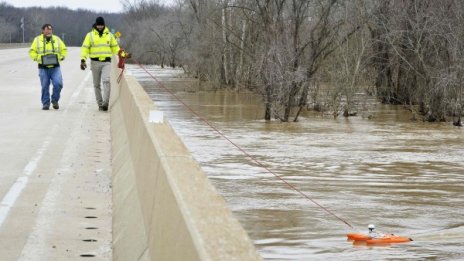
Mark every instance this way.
x=405 y=177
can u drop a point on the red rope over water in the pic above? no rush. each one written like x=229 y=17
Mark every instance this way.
x=240 y=149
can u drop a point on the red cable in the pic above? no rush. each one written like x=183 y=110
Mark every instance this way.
x=242 y=150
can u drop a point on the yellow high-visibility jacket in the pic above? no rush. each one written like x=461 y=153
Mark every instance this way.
x=40 y=47
x=100 y=47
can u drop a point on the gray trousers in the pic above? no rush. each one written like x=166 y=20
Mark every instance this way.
x=101 y=76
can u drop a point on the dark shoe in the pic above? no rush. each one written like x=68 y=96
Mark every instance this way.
x=100 y=108
x=104 y=107
x=56 y=106
x=45 y=107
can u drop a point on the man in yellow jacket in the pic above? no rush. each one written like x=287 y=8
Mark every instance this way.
x=48 y=50
x=100 y=45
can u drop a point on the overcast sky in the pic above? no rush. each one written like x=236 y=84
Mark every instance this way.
x=93 y=5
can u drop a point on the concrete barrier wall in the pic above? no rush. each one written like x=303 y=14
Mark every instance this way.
x=164 y=207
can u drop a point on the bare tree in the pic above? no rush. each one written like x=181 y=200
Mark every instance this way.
x=405 y=52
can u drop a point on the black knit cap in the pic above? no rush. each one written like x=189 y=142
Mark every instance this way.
x=100 y=21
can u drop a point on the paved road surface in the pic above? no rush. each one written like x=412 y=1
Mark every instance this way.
x=54 y=166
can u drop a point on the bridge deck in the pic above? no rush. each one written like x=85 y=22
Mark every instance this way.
x=55 y=166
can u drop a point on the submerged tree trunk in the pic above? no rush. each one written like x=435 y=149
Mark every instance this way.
x=239 y=71
x=225 y=53
x=268 y=104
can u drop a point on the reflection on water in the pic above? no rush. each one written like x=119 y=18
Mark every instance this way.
x=405 y=177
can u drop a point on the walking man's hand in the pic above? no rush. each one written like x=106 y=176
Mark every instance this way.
x=83 y=65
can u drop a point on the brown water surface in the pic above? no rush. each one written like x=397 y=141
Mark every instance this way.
x=405 y=177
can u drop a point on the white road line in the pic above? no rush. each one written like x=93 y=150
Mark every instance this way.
x=16 y=189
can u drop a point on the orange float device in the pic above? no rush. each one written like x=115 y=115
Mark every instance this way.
x=385 y=239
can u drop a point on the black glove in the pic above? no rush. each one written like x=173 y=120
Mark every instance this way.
x=83 y=65
x=128 y=55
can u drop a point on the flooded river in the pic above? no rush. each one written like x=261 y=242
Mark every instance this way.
x=405 y=177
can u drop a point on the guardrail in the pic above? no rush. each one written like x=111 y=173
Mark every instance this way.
x=14 y=45
x=164 y=207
